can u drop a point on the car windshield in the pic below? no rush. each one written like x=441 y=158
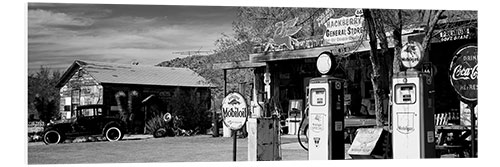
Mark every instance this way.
x=89 y=112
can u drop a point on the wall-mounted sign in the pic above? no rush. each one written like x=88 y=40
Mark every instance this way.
x=234 y=111
x=282 y=37
x=343 y=30
x=411 y=54
x=463 y=73
x=457 y=34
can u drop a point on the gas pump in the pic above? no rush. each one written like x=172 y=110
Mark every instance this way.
x=326 y=113
x=412 y=108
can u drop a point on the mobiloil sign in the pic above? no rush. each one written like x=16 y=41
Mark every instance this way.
x=326 y=113
x=412 y=108
x=234 y=111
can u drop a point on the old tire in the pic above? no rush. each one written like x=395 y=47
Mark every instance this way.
x=52 y=137
x=161 y=132
x=113 y=134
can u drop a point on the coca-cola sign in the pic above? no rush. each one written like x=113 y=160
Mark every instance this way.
x=463 y=73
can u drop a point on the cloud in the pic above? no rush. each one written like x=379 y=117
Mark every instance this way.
x=57 y=37
x=37 y=18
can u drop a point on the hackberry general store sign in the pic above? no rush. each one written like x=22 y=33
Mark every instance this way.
x=463 y=73
x=234 y=111
x=344 y=29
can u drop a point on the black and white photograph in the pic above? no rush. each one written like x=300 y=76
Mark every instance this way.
x=259 y=84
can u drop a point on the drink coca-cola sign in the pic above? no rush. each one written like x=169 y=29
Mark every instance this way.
x=463 y=73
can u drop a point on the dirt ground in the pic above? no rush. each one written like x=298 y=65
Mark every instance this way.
x=202 y=148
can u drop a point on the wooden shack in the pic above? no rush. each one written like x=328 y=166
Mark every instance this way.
x=142 y=91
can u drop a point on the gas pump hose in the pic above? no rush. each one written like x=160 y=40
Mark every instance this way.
x=304 y=117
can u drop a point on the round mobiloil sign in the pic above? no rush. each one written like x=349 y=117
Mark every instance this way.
x=324 y=63
x=463 y=73
x=234 y=111
x=411 y=54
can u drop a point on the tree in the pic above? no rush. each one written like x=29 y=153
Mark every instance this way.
x=380 y=70
x=380 y=20
x=43 y=96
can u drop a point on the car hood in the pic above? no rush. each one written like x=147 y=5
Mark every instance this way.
x=61 y=121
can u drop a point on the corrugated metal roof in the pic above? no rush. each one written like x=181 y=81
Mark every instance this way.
x=143 y=75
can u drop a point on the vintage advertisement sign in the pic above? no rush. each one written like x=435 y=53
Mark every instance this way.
x=35 y=126
x=411 y=54
x=457 y=34
x=463 y=73
x=343 y=30
x=234 y=111
x=365 y=141
x=318 y=122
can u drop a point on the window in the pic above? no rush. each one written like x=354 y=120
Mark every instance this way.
x=318 y=97
x=75 y=96
x=405 y=94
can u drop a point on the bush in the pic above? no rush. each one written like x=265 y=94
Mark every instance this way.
x=191 y=110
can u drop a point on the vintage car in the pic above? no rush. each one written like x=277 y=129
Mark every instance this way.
x=89 y=120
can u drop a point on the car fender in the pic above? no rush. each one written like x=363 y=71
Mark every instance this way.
x=119 y=124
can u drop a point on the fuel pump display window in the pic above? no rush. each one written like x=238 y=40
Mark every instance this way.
x=405 y=94
x=318 y=97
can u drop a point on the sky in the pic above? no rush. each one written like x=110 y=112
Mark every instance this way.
x=59 y=33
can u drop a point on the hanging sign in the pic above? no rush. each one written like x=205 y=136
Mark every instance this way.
x=344 y=29
x=463 y=73
x=234 y=111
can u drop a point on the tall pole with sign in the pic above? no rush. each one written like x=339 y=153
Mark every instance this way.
x=234 y=114
x=463 y=76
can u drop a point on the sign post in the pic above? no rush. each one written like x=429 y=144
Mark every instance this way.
x=234 y=114
x=463 y=76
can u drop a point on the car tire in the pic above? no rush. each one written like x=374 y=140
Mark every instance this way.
x=52 y=137
x=161 y=132
x=113 y=134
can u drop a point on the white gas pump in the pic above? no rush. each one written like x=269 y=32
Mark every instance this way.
x=412 y=109
x=326 y=113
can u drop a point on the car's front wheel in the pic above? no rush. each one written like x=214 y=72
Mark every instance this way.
x=113 y=133
x=52 y=137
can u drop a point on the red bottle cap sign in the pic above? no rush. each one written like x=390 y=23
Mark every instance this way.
x=463 y=73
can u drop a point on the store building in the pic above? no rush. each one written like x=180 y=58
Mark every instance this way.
x=143 y=91
x=284 y=74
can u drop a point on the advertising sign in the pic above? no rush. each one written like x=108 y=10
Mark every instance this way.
x=35 y=126
x=365 y=141
x=343 y=30
x=234 y=111
x=463 y=73
x=411 y=54
x=457 y=34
